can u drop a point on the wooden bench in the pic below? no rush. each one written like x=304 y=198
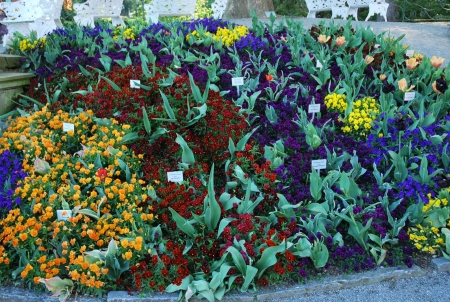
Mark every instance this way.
x=337 y=7
x=98 y=9
x=169 y=8
x=42 y=16
x=218 y=8
x=375 y=7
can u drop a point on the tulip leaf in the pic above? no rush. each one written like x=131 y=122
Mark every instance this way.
x=187 y=155
x=268 y=257
x=183 y=224
x=237 y=259
x=167 y=106
x=240 y=146
x=223 y=224
x=249 y=276
x=212 y=212
x=127 y=138
x=111 y=83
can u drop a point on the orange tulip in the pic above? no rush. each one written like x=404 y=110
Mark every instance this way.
x=323 y=39
x=340 y=41
x=269 y=77
x=436 y=62
x=402 y=84
x=411 y=63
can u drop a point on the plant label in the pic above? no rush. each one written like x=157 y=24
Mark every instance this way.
x=68 y=127
x=270 y=13
x=175 y=176
x=64 y=214
x=237 y=81
x=376 y=46
x=410 y=53
x=133 y=84
x=319 y=164
x=409 y=96
x=319 y=65
x=313 y=108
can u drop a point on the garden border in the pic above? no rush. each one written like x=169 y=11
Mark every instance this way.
x=272 y=293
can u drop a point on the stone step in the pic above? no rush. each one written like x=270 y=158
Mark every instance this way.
x=8 y=61
x=12 y=84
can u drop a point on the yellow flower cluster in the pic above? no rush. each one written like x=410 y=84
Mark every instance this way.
x=359 y=121
x=115 y=199
x=229 y=37
x=434 y=203
x=126 y=33
x=226 y=35
x=364 y=112
x=26 y=44
x=426 y=238
x=336 y=102
x=429 y=238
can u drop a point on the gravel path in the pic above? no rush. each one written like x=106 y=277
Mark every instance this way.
x=433 y=287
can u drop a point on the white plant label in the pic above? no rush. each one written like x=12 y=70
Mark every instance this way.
x=63 y=214
x=409 y=96
x=237 y=81
x=313 y=108
x=134 y=82
x=376 y=46
x=68 y=127
x=175 y=176
x=319 y=65
x=319 y=164
x=270 y=13
x=410 y=53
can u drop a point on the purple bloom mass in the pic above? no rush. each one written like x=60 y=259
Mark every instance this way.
x=10 y=174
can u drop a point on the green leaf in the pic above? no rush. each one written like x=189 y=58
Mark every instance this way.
x=124 y=166
x=249 y=277
x=268 y=257
x=316 y=185
x=184 y=285
x=243 y=141
x=238 y=259
x=127 y=138
x=315 y=208
x=319 y=254
x=111 y=83
x=187 y=155
x=84 y=71
x=223 y=224
x=213 y=212
x=218 y=278
x=183 y=224
x=89 y=212
x=147 y=125
x=98 y=162
x=167 y=106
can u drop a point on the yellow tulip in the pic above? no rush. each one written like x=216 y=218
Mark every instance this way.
x=368 y=59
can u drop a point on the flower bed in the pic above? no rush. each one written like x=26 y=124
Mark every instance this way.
x=169 y=177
